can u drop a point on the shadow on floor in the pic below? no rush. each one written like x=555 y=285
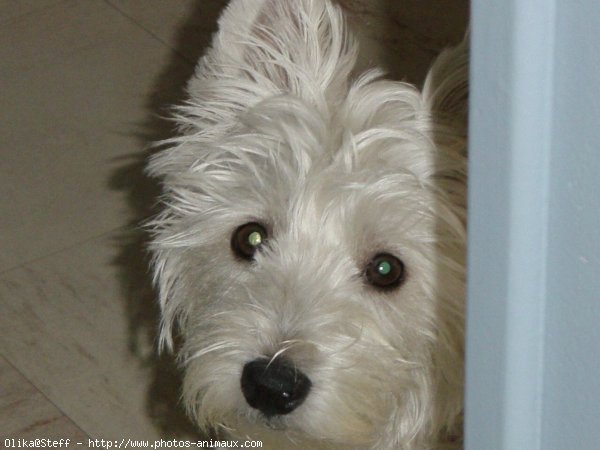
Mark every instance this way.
x=163 y=399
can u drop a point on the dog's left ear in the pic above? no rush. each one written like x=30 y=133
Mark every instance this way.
x=446 y=88
x=268 y=47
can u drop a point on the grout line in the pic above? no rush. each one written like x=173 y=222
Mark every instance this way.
x=72 y=246
x=43 y=394
x=148 y=31
x=34 y=11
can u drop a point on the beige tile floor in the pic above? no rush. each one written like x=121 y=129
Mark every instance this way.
x=81 y=85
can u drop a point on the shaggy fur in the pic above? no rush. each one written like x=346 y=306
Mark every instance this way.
x=338 y=167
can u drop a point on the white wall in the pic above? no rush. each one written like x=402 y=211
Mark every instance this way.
x=571 y=407
x=533 y=330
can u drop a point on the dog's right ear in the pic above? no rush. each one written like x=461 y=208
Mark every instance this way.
x=270 y=47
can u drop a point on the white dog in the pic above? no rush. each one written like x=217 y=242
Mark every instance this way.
x=311 y=248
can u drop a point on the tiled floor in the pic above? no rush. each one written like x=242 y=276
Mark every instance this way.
x=82 y=85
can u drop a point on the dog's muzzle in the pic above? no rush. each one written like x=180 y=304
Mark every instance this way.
x=274 y=387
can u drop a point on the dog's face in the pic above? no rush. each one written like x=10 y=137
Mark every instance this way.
x=312 y=243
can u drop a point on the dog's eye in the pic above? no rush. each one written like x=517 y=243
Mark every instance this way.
x=247 y=238
x=385 y=271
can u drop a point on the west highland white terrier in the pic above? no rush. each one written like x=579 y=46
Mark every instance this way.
x=310 y=254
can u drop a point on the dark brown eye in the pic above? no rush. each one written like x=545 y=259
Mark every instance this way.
x=248 y=238
x=385 y=271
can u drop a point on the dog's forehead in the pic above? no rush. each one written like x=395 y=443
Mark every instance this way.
x=337 y=205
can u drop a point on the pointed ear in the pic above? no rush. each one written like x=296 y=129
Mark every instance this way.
x=267 y=47
x=446 y=88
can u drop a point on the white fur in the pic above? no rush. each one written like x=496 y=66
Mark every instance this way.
x=277 y=131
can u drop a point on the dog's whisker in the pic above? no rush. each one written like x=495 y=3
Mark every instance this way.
x=218 y=346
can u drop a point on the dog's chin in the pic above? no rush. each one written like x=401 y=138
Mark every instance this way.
x=273 y=432
x=277 y=432
x=273 y=423
x=259 y=421
x=283 y=432
x=251 y=424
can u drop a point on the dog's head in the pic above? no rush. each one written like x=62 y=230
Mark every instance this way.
x=311 y=248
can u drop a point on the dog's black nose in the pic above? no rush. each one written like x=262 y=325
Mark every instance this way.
x=275 y=387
